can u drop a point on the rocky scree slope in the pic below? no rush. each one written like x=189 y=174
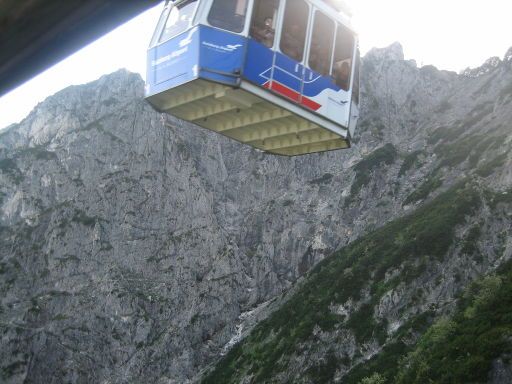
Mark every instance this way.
x=134 y=247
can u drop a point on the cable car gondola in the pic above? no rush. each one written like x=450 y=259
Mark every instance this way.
x=279 y=75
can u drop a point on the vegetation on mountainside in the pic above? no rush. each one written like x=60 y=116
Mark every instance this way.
x=385 y=363
x=470 y=148
x=452 y=152
x=446 y=134
x=457 y=349
x=495 y=199
x=488 y=168
x=411 y=160
x=461 y=349
x=405 y=245
x=383 y=156
x=38 y=152
x=8 y=167
x=425 y=189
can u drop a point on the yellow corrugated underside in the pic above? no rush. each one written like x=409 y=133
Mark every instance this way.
x=246 y=118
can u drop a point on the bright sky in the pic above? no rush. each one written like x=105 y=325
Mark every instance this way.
x=450 y=34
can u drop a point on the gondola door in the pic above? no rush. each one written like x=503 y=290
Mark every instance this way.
x=262 y=39
x=275 y=55
x=288 y=71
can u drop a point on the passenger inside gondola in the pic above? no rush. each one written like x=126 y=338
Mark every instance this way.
x=342 y=75
x=293 y=33
x=291 y=42
x=264 y=34
x=319 y=57
x=342 y=64
x=321 y=44
x=263 y=21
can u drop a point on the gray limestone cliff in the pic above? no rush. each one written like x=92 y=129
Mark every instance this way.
x=134 y=246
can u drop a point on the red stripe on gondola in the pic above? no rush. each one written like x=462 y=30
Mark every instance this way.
x=310 y=103
x=291 y=94
x=285 y=91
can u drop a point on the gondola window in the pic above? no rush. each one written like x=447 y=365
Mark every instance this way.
x=342 y=65
x=179 y=19
x=295 y=24
x=228 y=14
x=264 y=21
x=321 y=44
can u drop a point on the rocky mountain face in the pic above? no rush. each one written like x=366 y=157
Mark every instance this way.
x=135 y=247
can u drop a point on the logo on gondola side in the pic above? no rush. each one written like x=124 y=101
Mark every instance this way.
x=183 y=44
x=222 y=48
x=170 y=56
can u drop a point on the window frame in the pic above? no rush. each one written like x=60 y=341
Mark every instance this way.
x=276 y=21
x=191 y=23
x=307 y=31
x=312 y=24
x=340 y=25
x=247 y=17
x=356 y=75
x=157 y=33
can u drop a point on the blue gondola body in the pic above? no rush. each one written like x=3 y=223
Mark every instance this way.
x=201 y=52
x=214 y=55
